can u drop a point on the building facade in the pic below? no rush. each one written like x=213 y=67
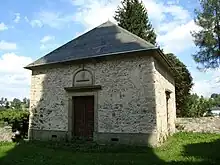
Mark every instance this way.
x=125 y=98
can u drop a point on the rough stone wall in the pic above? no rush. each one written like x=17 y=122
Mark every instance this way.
x=5 y=133
x=126 y=101
x=203 y=124
x=125 y=104
x=164 y=82
x=48 y=100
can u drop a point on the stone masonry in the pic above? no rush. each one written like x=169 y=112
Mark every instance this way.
x=165 y=120
x=132 y=99
x=6 y=133
x=202 y=125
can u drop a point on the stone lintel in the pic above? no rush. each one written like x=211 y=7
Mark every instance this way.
x=83 y=88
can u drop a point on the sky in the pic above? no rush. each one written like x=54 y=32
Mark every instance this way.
x=31 y=29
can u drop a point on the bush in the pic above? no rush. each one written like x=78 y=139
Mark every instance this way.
x=196 y=106
x=18 y=119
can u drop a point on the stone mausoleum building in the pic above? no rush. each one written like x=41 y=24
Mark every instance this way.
x=107 y=85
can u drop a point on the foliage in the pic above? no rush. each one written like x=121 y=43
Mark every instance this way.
x=216 y=99
x=183 y=83
x=214 y=95
x=15 y=113
x=3 y=102
x=16 y=103
x=18 y=119
x=26 y=102
x=208 y=37
x=133 y=17
x=182 y=148
x=7 y=105
x=196 y=106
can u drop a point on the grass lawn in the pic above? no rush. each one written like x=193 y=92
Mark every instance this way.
x=182 y=148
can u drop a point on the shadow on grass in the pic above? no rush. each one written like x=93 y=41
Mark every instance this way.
x=80 y=154
x=208 y=151
x=40 y=153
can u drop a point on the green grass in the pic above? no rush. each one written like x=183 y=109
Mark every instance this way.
x=182 y=148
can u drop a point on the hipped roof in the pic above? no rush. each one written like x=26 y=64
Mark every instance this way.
x=106 y=39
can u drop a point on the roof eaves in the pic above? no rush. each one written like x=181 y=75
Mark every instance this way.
x=30 y=67
x=170 y=65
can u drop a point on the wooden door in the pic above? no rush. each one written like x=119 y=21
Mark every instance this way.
x=83 y=116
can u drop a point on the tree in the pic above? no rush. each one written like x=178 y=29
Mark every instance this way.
x=26 y=102
x=197 y=106
x=215 y=99
x=208 y=37
x=183 y=83
x=133 y=17
x=16 y=103
x=3 y=102
x=7 y=106
x=191 y=106
x=214 y=95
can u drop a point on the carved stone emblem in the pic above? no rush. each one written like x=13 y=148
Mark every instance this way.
x=82 y=78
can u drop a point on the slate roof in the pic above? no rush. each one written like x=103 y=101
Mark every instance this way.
x=106 y=39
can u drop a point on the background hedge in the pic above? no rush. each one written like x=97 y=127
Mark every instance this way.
x=18 y=119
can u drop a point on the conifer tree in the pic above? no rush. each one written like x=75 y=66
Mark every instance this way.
x=207 y=39
x=133 y=17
